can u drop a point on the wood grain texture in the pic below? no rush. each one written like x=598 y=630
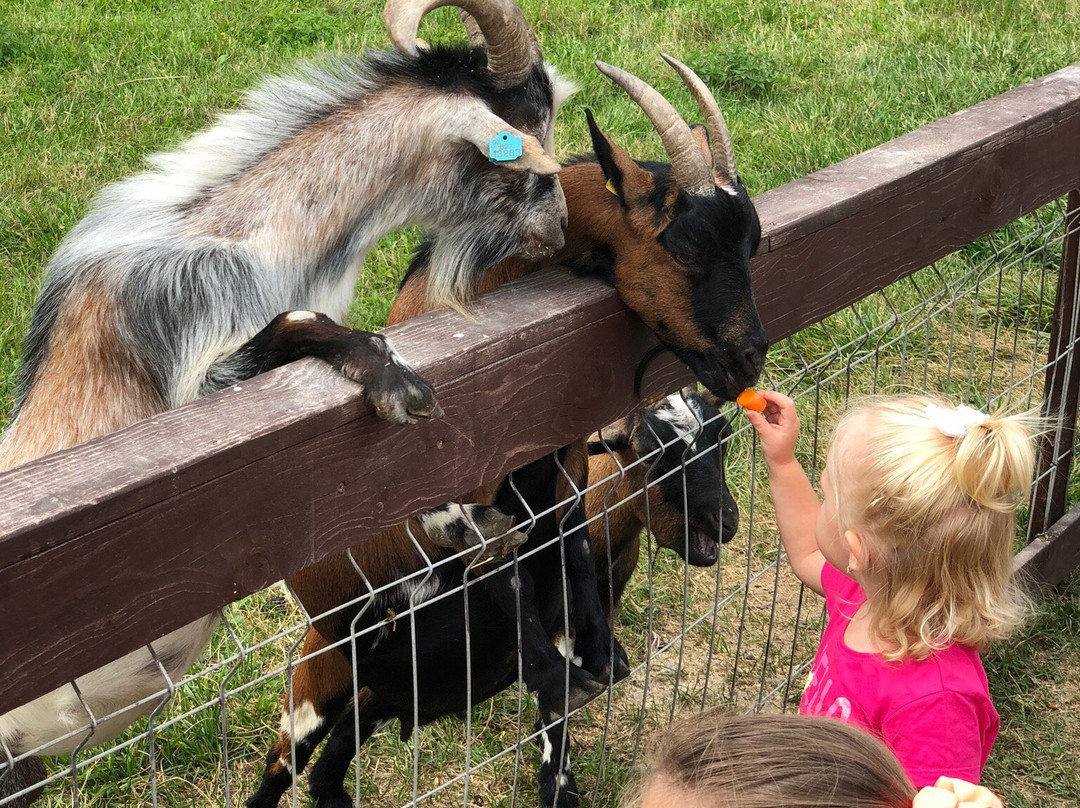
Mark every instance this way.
x=134 y=534
x=807 y=280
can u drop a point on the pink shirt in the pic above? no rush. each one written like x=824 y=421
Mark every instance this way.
x=934 y=714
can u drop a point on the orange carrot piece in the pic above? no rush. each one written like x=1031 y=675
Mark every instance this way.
x=751 y=400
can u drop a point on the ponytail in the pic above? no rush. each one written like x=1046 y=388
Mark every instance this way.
x=995 y=461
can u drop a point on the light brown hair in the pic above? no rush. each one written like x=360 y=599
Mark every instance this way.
x=937 y=515
x=715 y=760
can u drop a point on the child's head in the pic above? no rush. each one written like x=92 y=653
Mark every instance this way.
x=930 y=492
x=713 y=760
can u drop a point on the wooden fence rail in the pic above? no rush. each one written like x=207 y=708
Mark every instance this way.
x=110 y=545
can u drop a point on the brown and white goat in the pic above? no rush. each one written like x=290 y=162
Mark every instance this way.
x=679 y=496
x=239 y=251
x=676 y=242
x=659 y=470
x=675 y=446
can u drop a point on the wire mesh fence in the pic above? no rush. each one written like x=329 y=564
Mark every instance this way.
x=731 y=628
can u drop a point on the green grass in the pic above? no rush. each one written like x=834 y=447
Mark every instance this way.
x=1034 y=686
x=88 y=88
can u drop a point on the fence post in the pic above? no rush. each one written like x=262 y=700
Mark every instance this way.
x=1060 y=390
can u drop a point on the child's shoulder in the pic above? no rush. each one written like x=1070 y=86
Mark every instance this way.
x=840 y=588
x=955 y=670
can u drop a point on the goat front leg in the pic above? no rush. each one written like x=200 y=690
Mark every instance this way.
x=557 y=786
x=557 y=684
x=322 y=685
x=327 y=779
x=601 y=654
x=395 y=391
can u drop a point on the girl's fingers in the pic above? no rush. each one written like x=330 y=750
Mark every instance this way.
x=778 y=399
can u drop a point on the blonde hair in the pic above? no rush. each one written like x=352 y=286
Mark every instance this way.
x=714 y=760
x=937 y=516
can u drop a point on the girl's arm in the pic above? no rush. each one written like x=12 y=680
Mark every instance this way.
x=794 y=499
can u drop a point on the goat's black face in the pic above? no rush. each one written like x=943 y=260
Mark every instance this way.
x=681 y=261
x=685 y=432
x=711 y=240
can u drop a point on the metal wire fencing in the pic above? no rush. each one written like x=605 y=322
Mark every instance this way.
x=736 y=630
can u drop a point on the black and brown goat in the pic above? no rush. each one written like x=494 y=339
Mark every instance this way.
x=676 y=241
x=675 y=445
x=239 y=252
x=659 y=470
x=678 y=494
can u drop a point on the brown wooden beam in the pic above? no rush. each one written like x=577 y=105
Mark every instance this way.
x=1045 y=562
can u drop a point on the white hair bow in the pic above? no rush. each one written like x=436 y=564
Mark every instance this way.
x=955 y=423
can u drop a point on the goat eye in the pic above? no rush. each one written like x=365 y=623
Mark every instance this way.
x=685 y=260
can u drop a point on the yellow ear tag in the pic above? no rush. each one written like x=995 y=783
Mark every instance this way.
x=611 y=187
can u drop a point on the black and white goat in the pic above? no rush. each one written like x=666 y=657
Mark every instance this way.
x=239 y=252
x=676 y=241
x=678 y=494
x=675 y=444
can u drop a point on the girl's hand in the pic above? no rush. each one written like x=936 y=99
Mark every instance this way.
x=777 y=428
x=949 y=792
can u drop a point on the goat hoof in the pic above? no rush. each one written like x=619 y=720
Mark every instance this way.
x=583 y=689
x=335 y=799
x=556 y=795
x=621 y=664
x=394 y=389
x=604 y=667
x=494 y=549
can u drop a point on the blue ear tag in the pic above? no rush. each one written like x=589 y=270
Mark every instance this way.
x=504 y=147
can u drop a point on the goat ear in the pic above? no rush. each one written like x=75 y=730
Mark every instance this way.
x=625 y=178
x=615 y=437
x=701 y=135
x=480 y=125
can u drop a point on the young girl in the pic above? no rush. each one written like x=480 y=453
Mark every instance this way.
x=912 y=548
x=712 y=760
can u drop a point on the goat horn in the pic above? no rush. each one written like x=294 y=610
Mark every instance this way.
x=689 y=167
x=723 y=156
x=472 y=28
x=512 y=50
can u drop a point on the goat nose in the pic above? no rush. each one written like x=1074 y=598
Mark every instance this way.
x=731 y=520
x=563 y=222
x=754 y=356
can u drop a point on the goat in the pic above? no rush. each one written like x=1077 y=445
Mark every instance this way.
x=651 y=471
x=239 y=252
x=668 y=444
x=676 y=434
x=676 y=242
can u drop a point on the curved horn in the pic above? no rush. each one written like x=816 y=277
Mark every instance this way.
x=512 y=49
x=723 y=155
x=689 y=167
x=472 y=28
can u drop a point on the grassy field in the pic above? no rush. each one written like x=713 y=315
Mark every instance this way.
x=88 y=88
